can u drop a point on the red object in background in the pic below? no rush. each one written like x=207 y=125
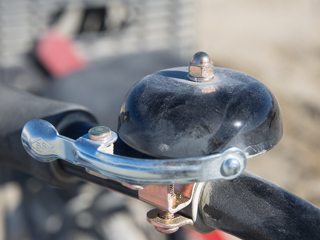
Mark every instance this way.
x=215 y=235
x=58 y=54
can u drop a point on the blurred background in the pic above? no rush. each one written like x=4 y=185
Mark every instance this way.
x=69 y=50
x=278 y=42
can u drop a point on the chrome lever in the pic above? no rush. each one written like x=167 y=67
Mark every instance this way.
x=42 y=141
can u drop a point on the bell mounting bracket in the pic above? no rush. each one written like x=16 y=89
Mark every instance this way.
x=42 y=141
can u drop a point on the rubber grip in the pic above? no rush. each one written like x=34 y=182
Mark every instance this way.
x=250 y=207
x=16 y=109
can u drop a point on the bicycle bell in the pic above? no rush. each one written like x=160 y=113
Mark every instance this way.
x=199 y=110
x=200 y=122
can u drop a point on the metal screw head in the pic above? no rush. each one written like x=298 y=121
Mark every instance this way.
x=201 y=58
x=200 y=67
x=99 y=133
x=230 y=167
x=169 y=225
x=167 y=230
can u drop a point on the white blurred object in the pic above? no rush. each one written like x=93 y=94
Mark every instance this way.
x=11 y=196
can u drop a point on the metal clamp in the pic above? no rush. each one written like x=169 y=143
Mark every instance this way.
x=42 y=141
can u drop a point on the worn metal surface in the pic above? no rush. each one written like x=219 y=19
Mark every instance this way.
x=168 y=116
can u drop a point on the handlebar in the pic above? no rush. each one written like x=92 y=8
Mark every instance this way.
x=250 y=207
x=247 y=207
x=17 y=108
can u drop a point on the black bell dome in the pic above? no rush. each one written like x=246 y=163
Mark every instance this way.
x=168 y=116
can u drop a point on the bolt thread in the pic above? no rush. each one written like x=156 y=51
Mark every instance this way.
x=171 y=188
x=166 y=215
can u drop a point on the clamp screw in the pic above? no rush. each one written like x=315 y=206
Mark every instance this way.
x=230 y=167
x=168 y=215
x=167 y=225
x=201 y=68
x=99 y=133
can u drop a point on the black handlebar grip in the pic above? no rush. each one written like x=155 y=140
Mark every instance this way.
x=250 y=207
x=16 y=109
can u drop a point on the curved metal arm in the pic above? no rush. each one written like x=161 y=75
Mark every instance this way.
x=42 y=141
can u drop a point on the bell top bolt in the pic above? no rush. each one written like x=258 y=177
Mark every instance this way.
x=99 y=133
x=201 y=68
x=201 y=59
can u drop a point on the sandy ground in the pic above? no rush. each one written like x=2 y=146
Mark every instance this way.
x=277 y=42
